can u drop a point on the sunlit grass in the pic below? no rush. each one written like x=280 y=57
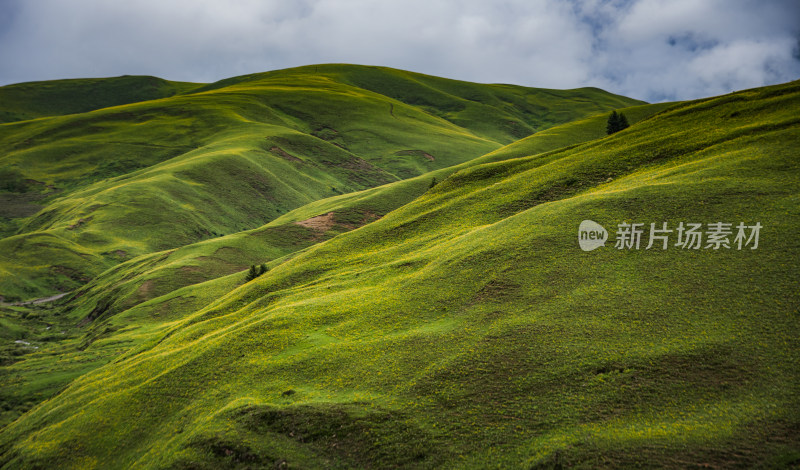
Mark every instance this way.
x=465 y=328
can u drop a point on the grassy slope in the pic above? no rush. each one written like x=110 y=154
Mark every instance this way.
x=502 y=113
x=466 y=329
x=31 y=100
x=157 y=274
x=128 y=180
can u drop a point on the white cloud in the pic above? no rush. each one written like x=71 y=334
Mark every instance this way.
x=722 y=65
x=650 y=49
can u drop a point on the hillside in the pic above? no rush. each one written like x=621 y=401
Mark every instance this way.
x=157 y=274
x=31 y=100
x=464 y=327
x=182 y=163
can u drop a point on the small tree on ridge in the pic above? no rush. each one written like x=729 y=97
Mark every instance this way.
x=616 y=122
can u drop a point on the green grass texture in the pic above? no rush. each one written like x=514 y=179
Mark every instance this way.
x=447 y=325
x=99 y=171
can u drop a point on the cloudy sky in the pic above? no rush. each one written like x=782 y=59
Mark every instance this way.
x=654 y=50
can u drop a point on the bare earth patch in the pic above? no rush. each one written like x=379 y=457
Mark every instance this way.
x=145 y=289
x=321 y=223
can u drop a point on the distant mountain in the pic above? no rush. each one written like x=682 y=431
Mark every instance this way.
x=32 y=100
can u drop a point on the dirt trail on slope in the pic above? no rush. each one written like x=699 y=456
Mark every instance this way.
x=43 y=300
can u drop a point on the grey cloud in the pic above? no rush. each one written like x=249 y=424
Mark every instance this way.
x=648 y=49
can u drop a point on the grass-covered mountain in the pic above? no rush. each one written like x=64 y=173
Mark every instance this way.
x=32 y=100
x=175 y=163
x=447 y=318
x=156 y=274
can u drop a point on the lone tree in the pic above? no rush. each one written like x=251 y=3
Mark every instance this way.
x=256 y=271
x=616 y=122
x=252 y=274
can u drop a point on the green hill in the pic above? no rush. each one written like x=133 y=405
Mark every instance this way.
x=32 y=100
x=160 y=273
x=465 y=328
x=181 y=164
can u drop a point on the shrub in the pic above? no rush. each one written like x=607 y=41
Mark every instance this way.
x=616 y=122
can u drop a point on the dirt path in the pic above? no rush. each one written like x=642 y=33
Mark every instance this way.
x=43 y=300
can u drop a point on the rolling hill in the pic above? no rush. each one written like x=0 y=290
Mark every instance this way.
x=32 y=100
x=446 y=318
x=181 y=163
x=159 y=273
